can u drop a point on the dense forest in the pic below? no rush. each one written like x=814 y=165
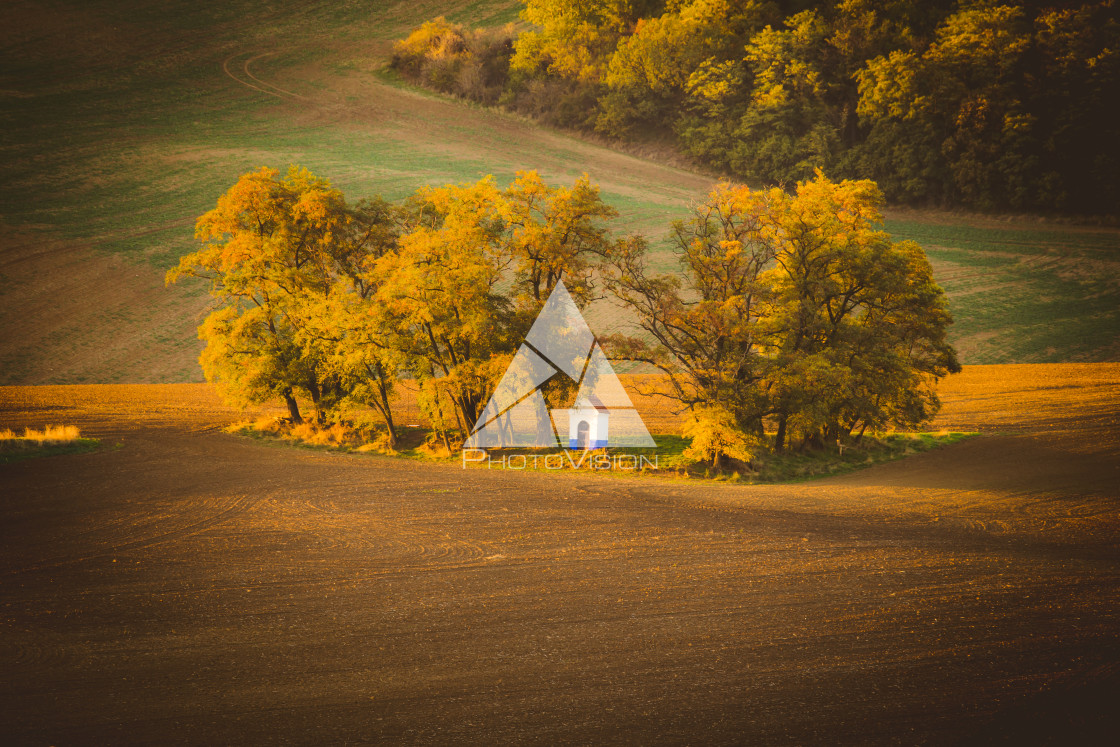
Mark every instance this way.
x=979 y=104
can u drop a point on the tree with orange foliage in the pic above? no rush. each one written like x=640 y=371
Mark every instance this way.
x=334 y=302
x=263 y=248
x=793 y=310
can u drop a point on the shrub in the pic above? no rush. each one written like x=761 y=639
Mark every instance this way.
x=52 y=435
x=432 y=39
x=448 y=58
x=715 y=436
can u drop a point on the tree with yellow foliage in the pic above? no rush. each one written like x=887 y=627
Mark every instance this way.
x=716 y=436
x=437 y=300
x=263 y=248
x=795 y=311
x=553 y=234
x=289 y=261
x=335 y=302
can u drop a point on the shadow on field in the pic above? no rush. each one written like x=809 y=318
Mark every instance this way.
x=191 y=586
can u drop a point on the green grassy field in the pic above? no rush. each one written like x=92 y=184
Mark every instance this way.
x=122 y=122
x=1039 y=294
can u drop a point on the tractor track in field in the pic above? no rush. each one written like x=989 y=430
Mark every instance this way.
x=270 y=89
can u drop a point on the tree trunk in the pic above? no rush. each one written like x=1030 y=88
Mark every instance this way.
x=391 y=428
x=293 y=407
x=317 y=401
x=831 y=434
x=382 y=403
x=387 y=414
x=812 y=441
x=780 y=436
x=441 y=426
x=460 y=421
x=545 y=433
x=462 y=429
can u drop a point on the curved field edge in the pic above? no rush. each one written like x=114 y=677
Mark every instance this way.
x=665 y=461
x=1045 y=464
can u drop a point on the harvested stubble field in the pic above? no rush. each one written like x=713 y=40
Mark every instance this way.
x=185 y=585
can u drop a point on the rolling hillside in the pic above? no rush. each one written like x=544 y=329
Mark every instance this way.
x=123 y=122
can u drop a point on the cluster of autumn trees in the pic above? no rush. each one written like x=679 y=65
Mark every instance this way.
x=983 y=103
x=336 y=301
x=791 y=313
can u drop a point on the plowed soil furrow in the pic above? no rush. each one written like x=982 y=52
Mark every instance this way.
x=185 y=585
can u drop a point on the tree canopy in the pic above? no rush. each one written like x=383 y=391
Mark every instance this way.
x=793 y=314
x=981 y=103
x=792 y=309
x=335 y=302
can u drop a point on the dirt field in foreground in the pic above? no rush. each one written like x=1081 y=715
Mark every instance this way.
x=185 y=585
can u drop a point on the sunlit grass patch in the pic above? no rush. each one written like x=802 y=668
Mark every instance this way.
x=796 y=466
x=53 y=439
x=358 y=437
x=52 y=435
x=666 y=460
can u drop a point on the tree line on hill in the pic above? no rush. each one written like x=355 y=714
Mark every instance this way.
x=794 y=319
x=978 y=103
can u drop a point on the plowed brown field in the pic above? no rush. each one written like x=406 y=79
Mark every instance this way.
x=185 y=585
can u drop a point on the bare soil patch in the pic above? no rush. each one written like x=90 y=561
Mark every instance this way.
x=191 y=586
